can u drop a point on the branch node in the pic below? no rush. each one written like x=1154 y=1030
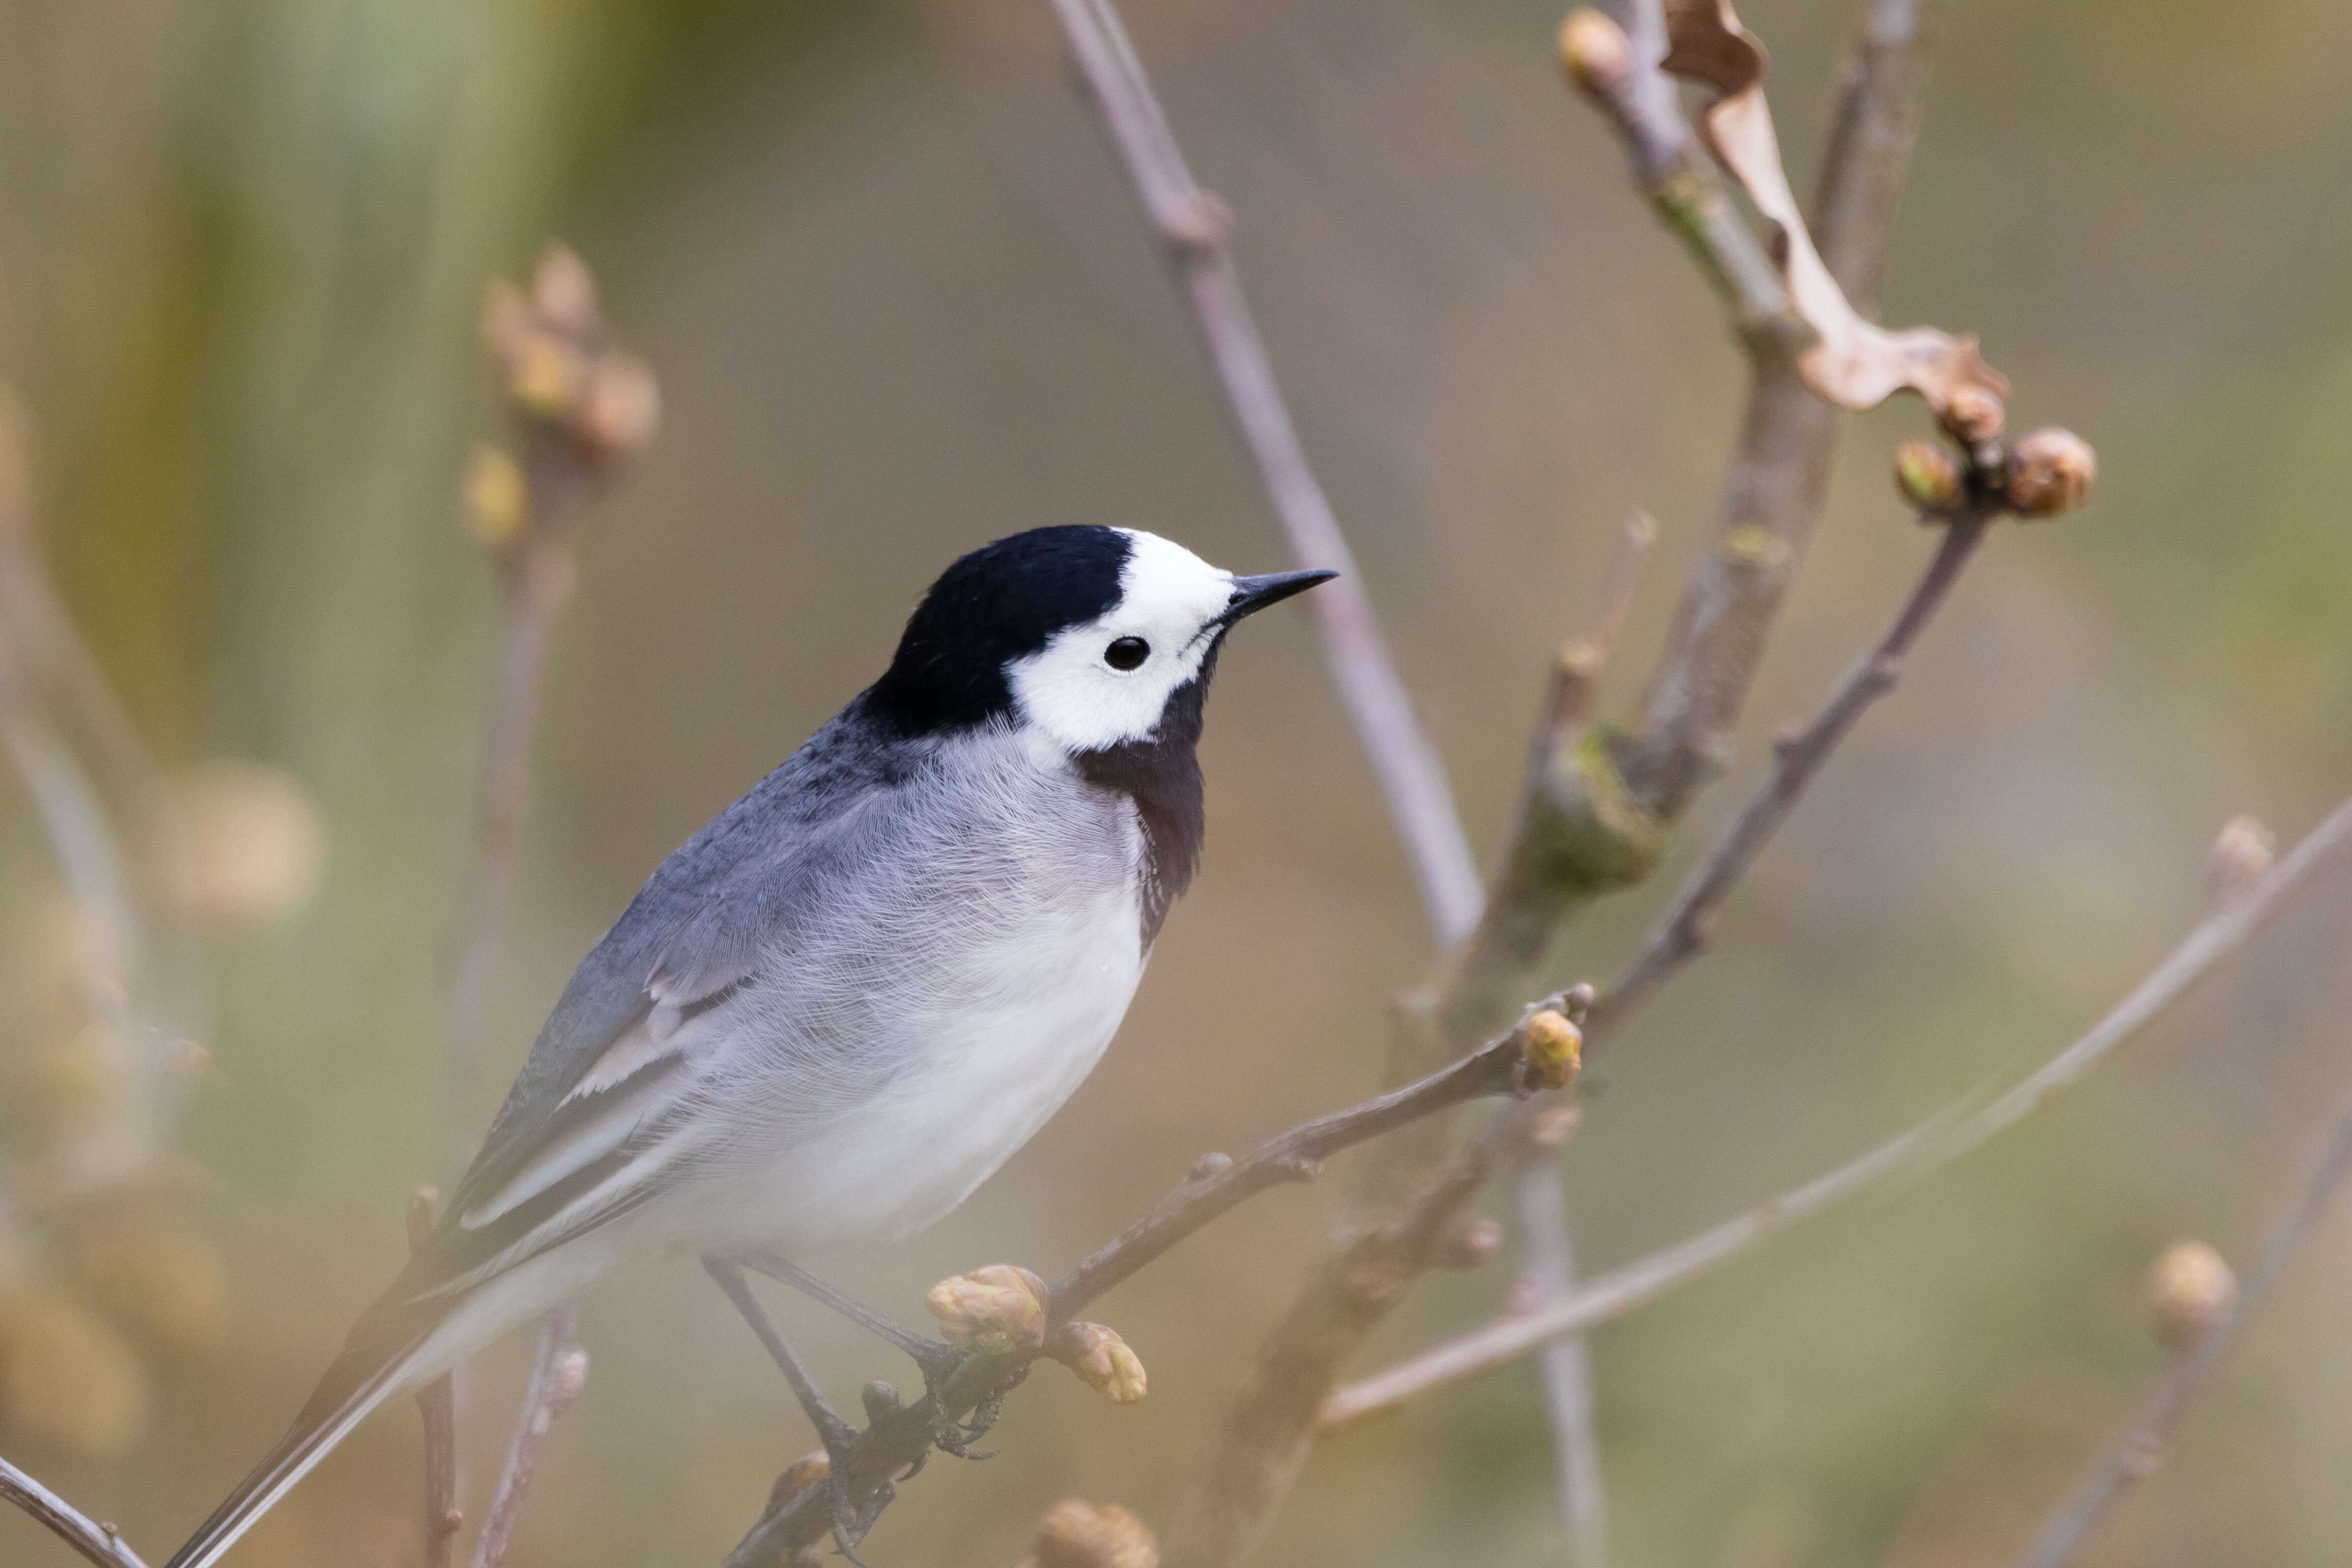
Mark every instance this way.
x=1587 y=832
x=1299 y=1167
x=881 y=1401
x=1201 y=224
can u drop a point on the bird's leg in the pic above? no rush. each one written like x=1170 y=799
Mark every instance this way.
x=937 y=1359
x=838 y=1435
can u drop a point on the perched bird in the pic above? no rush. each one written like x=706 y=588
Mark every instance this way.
x=837 y=1008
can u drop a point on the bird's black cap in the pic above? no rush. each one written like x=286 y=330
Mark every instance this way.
x=1002 y=602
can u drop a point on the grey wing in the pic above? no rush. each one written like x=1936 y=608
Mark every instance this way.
x=592 y=1128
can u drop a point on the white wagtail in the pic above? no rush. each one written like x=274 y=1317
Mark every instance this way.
x=837 y=1009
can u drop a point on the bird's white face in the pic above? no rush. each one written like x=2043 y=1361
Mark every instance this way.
x=1108 y=681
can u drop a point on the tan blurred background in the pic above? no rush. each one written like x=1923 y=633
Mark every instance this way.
x=900 y=305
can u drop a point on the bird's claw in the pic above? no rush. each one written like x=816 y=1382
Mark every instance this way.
x=850 y=1523
x=939 y=1361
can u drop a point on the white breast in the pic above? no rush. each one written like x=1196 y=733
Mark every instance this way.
x=991 y=971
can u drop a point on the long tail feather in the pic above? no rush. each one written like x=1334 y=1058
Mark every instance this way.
x=357 y=1382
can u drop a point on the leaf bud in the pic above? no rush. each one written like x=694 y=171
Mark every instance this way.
x=563 y=291
x=1553 y=1049
x=622 y=408
x=1928 y=476
x=498 y=499
x=1594 y=52
x=808 y=1470
x=570 y=1377
x=1102 y=1360
x=2239 y=859
x=994 y=1310
x=507 y=320
x=1471 y=1244
x=1973 y=414
x=2051 y=472
x=1075 y=1534
x=547 y=376
x=2191 y=1292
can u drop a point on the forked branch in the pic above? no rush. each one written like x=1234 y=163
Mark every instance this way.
x=1942 y=1138
x=1797 y=758
x=98 y=1543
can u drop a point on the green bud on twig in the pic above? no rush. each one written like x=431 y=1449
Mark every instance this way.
x=1928 y=476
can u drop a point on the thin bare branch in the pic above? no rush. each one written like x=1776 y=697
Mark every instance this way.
x=2137 y=1451
x=1595 y=819
x=1195 y=226
x=1778 y=475
x=577 y=428
x=1298 y=1155
x=1548 y=1267
x=1870 y=143
x=1669 y=167
x=1547 y=1277
x=534 y=582
x=436 y=1403
x=98 y=1543
x=1797 y=758
x=559 y=1370
x=797 y=1517
x=1942 y=1138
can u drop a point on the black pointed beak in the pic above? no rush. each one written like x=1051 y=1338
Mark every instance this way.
x=1252 y=595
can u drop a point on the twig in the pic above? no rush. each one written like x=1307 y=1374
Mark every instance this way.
x=797 y=1518
x=559 y=1370
x=1677 y=939
x=101 y=1544
x=1298 y=1155
x=437 y=1402
x=535 y=579
x=1942 y=1137
x=1595 y=820
x=1682 y=184
x=1778 y=475
x=1870 y=142
x=1195 y=228
x=1549 y=1270
x=583 y=407
x=2141 y=1447
x=1546 y=1276
x=1797 y=757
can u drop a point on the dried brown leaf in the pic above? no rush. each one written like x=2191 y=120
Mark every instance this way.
x=1855 y=364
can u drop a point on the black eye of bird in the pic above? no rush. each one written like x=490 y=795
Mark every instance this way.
x=1127 y=652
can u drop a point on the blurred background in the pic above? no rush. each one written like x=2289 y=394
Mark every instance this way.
x=900 y=304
